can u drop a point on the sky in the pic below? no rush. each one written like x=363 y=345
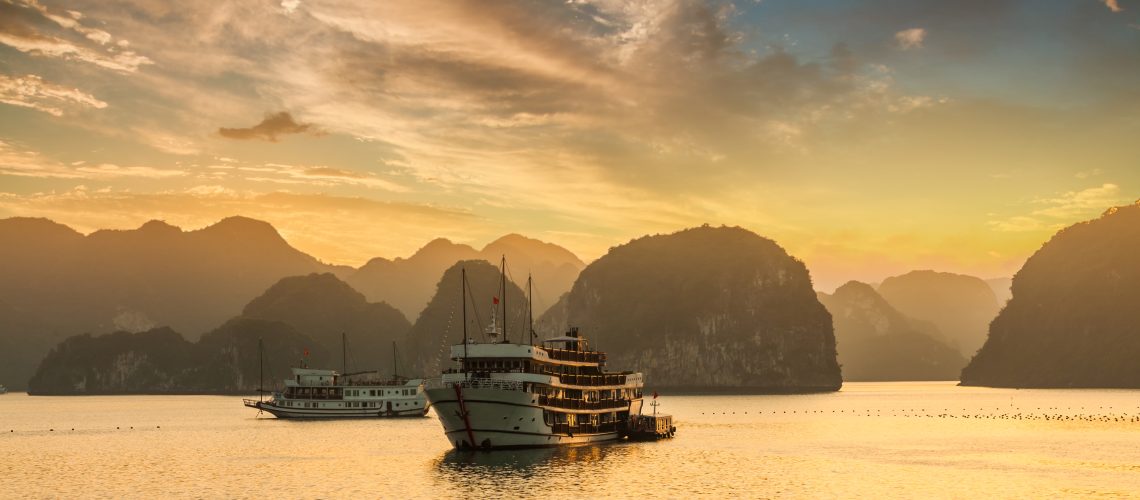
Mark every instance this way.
x=867 y=138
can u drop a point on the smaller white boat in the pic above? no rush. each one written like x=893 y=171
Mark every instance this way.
x=3 y=390
x=315 y=393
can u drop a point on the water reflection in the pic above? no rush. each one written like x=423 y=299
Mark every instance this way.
x=470 y=469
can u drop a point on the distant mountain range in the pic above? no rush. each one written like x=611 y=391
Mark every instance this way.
x=708 y=308
x=56 y=282
x=960 y=306
x=876 y=342
x=154 y=275
x=401 y=282
x=704 y=309
x=1074 y=318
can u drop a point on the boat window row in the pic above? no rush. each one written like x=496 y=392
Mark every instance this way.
x=570 y=423
x=576 y=399
x=378 y=392
x=587 y=395
x=338 y=393
x=575 y=375
x=346 y=404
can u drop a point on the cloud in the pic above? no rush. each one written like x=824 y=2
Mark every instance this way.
x=1063 y=209
x=19 y=162
x=1074 y=204
x=910 y=38
x=290 y=5
x=301 y=175
x=31 y=91
x=111 y=171
x=273 y=125
x=21 y=28
x=1113 y=5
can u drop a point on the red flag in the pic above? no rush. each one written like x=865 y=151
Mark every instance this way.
x=654 y=394
x=306 y=352
x=495 y=300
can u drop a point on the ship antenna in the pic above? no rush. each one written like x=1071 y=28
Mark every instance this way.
x=260 y=369
x=343 y=352
x=463 y=287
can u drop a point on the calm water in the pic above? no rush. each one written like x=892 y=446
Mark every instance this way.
x=869 y=440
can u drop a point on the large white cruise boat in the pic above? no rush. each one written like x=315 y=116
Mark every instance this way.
x=508 y=395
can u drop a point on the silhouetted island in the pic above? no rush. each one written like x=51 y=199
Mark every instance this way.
x=160 y=361
x=878 y=343
x=705 y=309
x=1074 y=319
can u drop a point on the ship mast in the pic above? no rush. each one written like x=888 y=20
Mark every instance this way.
x=260 y=369
x=463 y=287
x=529 y=310
x=503 y=294
x=343 y=353
x=395 y=363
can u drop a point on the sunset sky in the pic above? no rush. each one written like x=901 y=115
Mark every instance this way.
x=866 y=137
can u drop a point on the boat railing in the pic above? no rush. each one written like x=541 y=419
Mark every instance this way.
x=577 y=356
x=609 y=379
x=475 y=383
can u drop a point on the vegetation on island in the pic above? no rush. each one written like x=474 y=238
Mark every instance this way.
x=1074 y=318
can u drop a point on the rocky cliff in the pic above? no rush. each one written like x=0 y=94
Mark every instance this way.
x=1074 y=318
x=960 y=306
x=706 y=309
x=876 y=342
x=160 y=361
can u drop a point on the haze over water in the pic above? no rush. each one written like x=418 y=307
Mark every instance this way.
x=914 y=439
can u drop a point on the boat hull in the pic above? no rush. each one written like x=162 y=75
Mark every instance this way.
x=497 y=419
x=327 y=413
